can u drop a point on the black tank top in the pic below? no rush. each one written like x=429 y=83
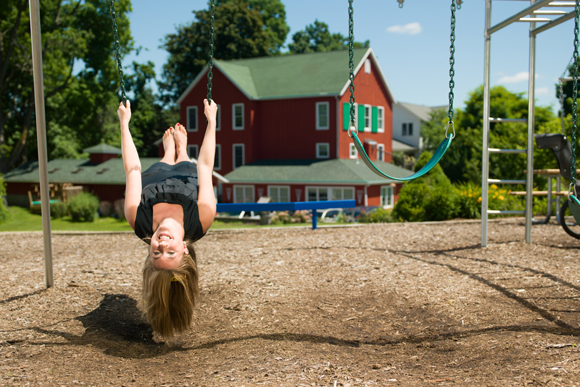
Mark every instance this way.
x=174 y=184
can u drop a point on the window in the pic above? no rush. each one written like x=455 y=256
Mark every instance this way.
x=367 y=118
x=387 y=196
x=218 y=118
x=410 y=128
x=238 y=155
x=322 y=115
x=192 y=151
x=381 y=152
x=368 y=66
x=322 y=150
x=342 y=193
x=279 y=194
x=404 y=133
x=352 y=153
x=380 y=119
x=217 y=164
x=192 y=118
x=238 y=116
x=243 y=194
x=316 y=194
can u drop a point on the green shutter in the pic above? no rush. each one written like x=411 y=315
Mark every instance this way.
x=375 y=118
x=361 y=117
x=345 y=115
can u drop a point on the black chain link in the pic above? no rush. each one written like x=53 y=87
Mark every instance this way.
x=211 y=42
x=575 y=96
x=351 y=61
x=452 y=62
x=118 y=51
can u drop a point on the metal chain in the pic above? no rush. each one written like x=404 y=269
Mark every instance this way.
x=118 y=51
x=211 y=41
x=400 y=3
x=574 y=97
x=452 y=62
x=561 y=84
x=351 y=65
x=459 y=2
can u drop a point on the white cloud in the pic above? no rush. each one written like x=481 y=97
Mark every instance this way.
x=519 y=77
x=543 y=91
x=408 y=29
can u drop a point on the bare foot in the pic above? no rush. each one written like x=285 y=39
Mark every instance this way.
x=169 y=147
x=180 y=137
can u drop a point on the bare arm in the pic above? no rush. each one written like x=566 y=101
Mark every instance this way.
x=206 y=202
x=132 y=166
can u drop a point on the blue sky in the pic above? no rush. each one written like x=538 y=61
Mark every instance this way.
x=412 y=43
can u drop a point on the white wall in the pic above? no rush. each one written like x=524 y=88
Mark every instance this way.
x=400 y=116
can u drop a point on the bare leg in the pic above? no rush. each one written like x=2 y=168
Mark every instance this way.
x=180 y=136
x=168 y=147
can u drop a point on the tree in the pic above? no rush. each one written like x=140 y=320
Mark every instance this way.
x=462 y=162
x=243 y=29
x=316 y=38
x=78 y=109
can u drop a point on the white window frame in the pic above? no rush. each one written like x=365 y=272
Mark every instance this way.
x=196 y=151
x=234 y=127
x=342 y=189
x=218 y=121
x=318 y=126
x=189 y=126
x=368 y=66
x=307 y=188
x=244 y=188
x=234 y=155
x=279 y=187
x=369 y=118
x=391 y=196
x=381 y=150
x=318 y=146
x=219 y=150
x=352 y=152
x=380 y=121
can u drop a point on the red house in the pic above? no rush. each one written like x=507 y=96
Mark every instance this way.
x=282 y=128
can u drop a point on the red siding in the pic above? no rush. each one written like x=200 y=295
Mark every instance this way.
x=368 y=90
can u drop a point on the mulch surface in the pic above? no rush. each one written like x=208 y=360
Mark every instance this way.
x=377 y=305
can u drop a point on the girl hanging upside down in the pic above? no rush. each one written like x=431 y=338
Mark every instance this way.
x=170 y=206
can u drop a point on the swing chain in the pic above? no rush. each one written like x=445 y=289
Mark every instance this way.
x=400 y=3
x=451 y=68
x=211 y=42
x=118 y=51
x=574 y=97
x=352 y=127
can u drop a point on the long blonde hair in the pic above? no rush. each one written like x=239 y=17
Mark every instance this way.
x=170 y=296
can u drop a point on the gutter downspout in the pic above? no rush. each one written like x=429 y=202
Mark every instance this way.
x=366 y=196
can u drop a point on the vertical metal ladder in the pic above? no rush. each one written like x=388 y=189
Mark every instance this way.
x=509 y=151
x=530 y=15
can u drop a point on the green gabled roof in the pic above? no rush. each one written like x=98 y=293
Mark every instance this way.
x=336 y=171
x=103 y=148
x=282 y=76
x=77 y=171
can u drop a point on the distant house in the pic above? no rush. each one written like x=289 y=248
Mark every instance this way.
x=102 y=174
x=282 y=128
x=407 y=121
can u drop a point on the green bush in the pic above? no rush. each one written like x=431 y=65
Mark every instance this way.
x=3 y=208
x=379 y=215
x=83 y=207
x=469 y=200
x=428 y=198
x=58 y=210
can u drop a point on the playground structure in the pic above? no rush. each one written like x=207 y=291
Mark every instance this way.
x=534 y=9
x=550 y=18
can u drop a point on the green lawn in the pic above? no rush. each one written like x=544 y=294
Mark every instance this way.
x=21 y=219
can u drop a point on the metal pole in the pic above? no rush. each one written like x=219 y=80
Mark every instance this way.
x=486 y=113
x=518 y=15
x=41 y=137
x=530 y=148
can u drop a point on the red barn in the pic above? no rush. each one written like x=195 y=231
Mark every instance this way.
x=282 y=128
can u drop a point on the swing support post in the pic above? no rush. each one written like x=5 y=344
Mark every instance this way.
x=41 y=137
x=486 y=108
x=530 y=148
